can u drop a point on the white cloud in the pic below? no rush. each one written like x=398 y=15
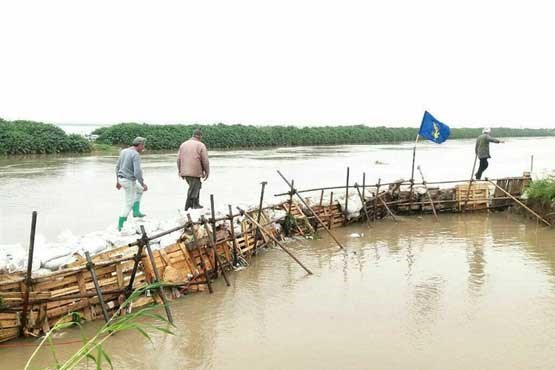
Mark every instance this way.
x=308 y=62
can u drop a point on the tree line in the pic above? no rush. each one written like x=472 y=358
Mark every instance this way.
x=28 y=137
x=222 y=136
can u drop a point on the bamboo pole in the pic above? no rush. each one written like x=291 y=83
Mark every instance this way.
x=391 y=183
x=234 y=241
x=470 y=183
x=161 y=292
x=520 y=203
x=387 y=208
x=90 y=267
x=376 y=199
x=413 y=159
x=531 y=164
x=275 y=240
x=363 y=205
x=428 y=193
x=28 y=275
x=217 y=261
x=311 y=210
x=258 y=234
x=202 y=264
x=347 y=196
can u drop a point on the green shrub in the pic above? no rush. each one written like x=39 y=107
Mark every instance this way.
x=542 y=190
x=27 y=137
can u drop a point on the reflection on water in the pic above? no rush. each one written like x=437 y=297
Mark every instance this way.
x=474 y=291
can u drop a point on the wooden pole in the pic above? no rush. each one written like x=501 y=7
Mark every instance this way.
x=531 y=164
x=363 y=184
x=428 y=193
x=387 y=208
x=376 y=199
x=413 y=159
x=216 y=256
x=28 y=276
x=275 y=240
x=258 y=234
x=90 y=267
x=311 y=210
x=321 y=197
x=213 y=222
x=291 y=192
x=470 y=183
x=363 y=204
x=346 y=195
x=202 y=264
x=161 y=292
x=137 y=258
x=234 y=241
x=520 y=203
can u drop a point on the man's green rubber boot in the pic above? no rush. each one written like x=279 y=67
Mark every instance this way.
x=136 y=212
x=121 y=221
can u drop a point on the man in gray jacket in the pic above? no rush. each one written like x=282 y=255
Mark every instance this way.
x=482 y=150
x=129 y=176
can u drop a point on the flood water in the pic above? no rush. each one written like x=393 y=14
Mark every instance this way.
x=77 y=193
x=474 y=291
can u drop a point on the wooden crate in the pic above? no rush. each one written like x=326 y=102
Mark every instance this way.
x=477 y=195
x=332 y=216
x=9 y=325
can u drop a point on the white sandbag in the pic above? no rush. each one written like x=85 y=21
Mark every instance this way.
x=13 y=258
x=59 y=262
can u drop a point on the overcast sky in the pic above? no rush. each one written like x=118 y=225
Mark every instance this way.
x=470 y=63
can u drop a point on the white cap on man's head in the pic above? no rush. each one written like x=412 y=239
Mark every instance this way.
x=486 y=130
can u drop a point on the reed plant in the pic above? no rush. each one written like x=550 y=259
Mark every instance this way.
x=142 y=321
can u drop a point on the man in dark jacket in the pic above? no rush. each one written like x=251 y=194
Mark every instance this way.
x=482 y=150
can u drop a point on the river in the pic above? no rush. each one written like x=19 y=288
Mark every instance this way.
x=475 y=291
x=77 y=193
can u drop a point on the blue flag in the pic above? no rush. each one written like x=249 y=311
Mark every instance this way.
x=433 y=130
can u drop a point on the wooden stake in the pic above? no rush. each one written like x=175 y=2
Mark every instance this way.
x=470 y=183
x=29 y=269
x=90 y=267
x=363 y=204
x=161 y=292
x=428 y=193
x=233 y=239
x=387 y=208
x=413 y=159
x=520 y=203
x=275 y=240
x=215 y=249
x=346 y=195
x=202 y=264
x=311 y=210
x=376 y=199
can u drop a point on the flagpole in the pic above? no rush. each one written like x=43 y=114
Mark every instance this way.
x=413 y=158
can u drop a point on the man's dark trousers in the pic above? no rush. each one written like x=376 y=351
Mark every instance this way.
x=193 y=193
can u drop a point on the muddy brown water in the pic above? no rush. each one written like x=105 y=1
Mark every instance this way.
x=77 y=193
x=474 y=291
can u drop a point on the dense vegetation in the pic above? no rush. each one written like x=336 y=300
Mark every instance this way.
x=542 y=190
x=27 y=137
x=241 y=136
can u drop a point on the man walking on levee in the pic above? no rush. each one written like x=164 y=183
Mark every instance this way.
x=129 y=176
x=482 y=150
x=192 y=166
